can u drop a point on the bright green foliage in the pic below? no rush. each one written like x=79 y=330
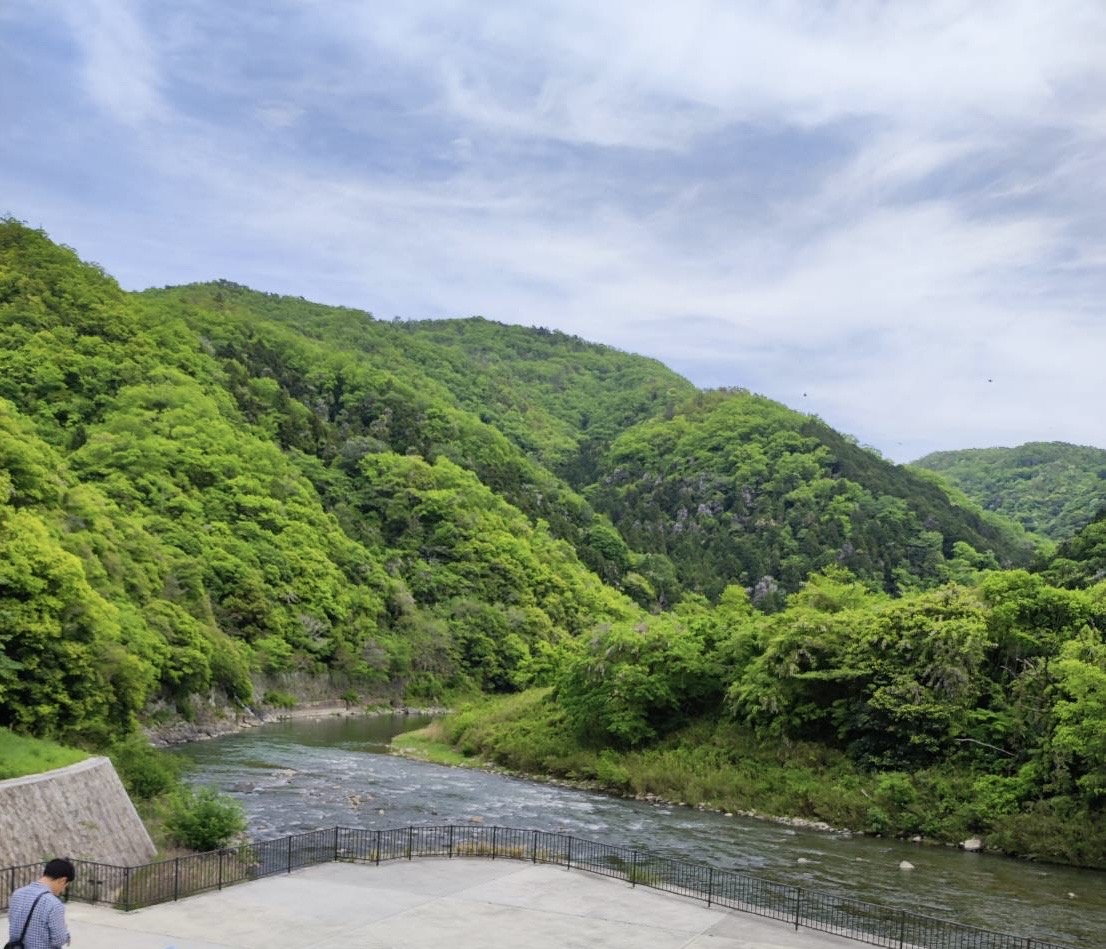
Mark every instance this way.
x=920 y=682
x=632 y=680
x=192 y=502
x=203 y=819
x=1050 y=488
x=795 y=674
x=66 y=669
x=1079 y=739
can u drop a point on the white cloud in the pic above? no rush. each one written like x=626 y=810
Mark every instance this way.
x=874 y=204
x=121 y=72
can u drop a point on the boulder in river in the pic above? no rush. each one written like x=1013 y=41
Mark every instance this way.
x=972 y=844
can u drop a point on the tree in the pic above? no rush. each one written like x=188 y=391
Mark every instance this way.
x=633 y=680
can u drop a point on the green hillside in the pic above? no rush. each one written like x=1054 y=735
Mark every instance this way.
x=1050 y=488
x=559 y=398
x=174 y=520
x=735 y=488
x=573 y=412
x=214 y=496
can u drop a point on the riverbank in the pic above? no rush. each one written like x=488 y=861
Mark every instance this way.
x=214 y=721
x=429 y=744
x=337 y=772
x=719 y=766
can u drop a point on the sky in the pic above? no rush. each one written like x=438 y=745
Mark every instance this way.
x=889 y=214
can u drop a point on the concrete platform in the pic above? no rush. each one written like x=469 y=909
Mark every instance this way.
x=459 y=904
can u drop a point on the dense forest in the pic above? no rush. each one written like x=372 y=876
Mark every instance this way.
x=213 y=496
x=1050 y=488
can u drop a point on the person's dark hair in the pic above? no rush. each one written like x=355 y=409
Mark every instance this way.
x=57 y=869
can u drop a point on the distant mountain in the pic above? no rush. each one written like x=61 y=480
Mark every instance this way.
x=1050 y=488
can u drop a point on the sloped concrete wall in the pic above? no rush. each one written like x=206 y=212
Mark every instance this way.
x=80 y=811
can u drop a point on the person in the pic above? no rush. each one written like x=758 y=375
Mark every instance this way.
x=46 y=927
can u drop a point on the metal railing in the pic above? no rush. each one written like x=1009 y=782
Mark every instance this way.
x=129 y=888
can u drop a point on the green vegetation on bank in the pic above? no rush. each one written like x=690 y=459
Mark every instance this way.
x=21 y=755
x=176 y=815
x=962 y=711
x=1050 y=488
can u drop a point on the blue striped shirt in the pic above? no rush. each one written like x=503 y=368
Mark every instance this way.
x=47 y=929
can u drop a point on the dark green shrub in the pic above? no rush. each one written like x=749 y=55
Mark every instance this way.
x=145 y=771
x=279 y=699
x=203 y=819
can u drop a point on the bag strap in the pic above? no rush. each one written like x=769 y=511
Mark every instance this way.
x=27 y=921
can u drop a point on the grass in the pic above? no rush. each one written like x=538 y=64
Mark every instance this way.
x=430 y=744
x=20 y=756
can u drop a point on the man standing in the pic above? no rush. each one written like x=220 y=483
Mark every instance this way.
x=37 y=911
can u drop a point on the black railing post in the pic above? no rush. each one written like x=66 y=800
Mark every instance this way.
x=289 y=839
x=451 y=841
x=633 y=868
x=410 y=841
x=710 y=885
x=220 y=869
x=126 y=889
x=335 y=843
x=495 y=835
x=569 y=863
x=378 y=848
x=534 y=848
x=798 y=905
x=902 y=928
x=176 y=879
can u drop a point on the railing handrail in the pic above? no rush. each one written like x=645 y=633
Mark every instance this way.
x=162 y=881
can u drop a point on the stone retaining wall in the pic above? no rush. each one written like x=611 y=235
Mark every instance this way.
x=80 y=811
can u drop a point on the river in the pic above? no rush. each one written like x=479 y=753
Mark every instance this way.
x=306 y=774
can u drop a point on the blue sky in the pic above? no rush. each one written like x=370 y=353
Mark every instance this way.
x=890 y=214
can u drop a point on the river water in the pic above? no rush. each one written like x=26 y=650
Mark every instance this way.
x=302 y=775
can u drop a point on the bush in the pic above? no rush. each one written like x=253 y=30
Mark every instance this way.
x=204 y=819
x=145 y=771
x=279 y=699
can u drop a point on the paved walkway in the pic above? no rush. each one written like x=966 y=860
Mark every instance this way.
x=457 y=904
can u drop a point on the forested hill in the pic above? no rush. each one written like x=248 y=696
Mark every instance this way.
x=737 y=488
x=207 y=488
x=1050 y=488
x=560 y=399
x=191 y=502
x=692 y=511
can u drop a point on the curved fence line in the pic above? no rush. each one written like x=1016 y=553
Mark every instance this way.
x=129 y=888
